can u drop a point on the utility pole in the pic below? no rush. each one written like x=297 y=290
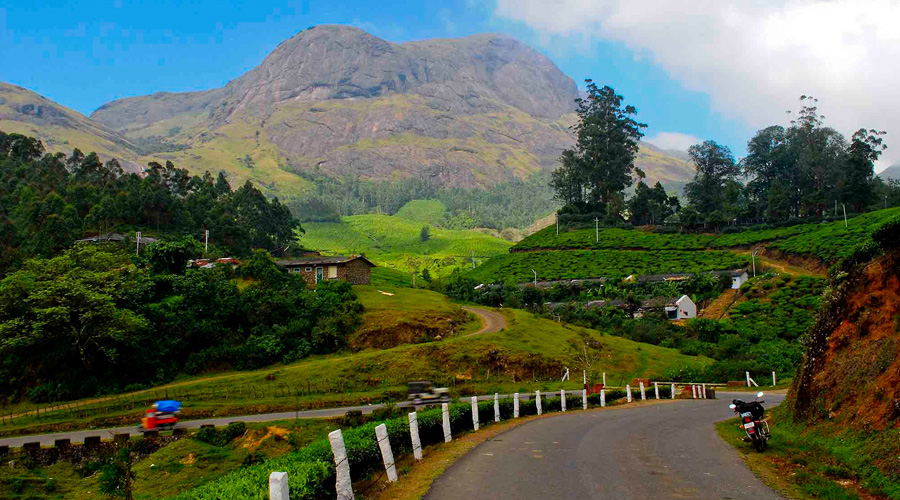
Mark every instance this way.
x=206 y=242
x=753 y=259
x=596 y=230
x=138 y=251
x=535 y=277
x=473 y=260
x=845 y=214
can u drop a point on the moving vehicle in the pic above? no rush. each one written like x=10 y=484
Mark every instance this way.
x=162 y=416
x=421 y=392
x=756 y=429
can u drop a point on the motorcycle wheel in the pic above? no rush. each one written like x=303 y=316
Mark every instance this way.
x=759 y=444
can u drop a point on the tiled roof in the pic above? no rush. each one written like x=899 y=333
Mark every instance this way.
x=312 y=261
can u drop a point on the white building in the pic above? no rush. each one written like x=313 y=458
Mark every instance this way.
x=683 y=308
x=738 y=278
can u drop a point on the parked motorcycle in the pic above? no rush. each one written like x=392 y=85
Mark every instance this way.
x=756 y=429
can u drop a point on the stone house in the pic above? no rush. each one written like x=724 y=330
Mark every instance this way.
x=355 y=269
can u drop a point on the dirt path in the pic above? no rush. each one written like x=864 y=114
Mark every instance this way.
x=783 y=266
x=491 y=322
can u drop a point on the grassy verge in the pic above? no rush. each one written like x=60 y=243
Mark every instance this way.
x=830 y=461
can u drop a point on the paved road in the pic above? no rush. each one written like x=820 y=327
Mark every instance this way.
x=491 y=322
x=654 y=452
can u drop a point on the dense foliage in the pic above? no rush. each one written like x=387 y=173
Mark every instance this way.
x=520 y=267
x=49 y=201
x=97 y=319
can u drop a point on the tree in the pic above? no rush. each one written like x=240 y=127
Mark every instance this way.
x=715 y=167
x=172 y=257
x=865 y=148
x=425 y=233
x=594 y=175
x=651 y=205
x=426 y=275
x=116 y=477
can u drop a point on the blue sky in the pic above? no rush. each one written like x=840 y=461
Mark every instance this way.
x=83 y=54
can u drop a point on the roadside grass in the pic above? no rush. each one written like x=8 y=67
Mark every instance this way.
x=530 y=354
x=179 y=466
x=828 y=461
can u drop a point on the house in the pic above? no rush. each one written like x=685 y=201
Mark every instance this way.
x=356 y=269
x=680 y=308
x=738 y=278
x=115 y=238
x=210 y=264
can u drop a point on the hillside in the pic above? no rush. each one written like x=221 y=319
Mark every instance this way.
x=891 y=173
x=61 y=129
x=395 y=241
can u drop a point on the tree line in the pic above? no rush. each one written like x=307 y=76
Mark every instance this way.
x=804 y=170
x=47 y=201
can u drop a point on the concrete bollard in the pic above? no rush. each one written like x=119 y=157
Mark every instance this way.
x=584 y=399
x=414 y=435
x=475 y=413
x=278 y=486
x=179 y=431
x=773 y=379
x=693 y=391
x=643 y=393
x=151 y=434
x=91 y=441
x=602 y=398
x=672 y=394
x=121 y=439
x=381 y=434
x=32 y=446
x=496 y=407
x=4 y=450
x=628 y=393
x=445 y=410
x=562 y=399
x=704 y=391
x=656 y=389
x=537 y=401
x=62 y=443
x=604 y=379
x=516 y=405
x=344 y=486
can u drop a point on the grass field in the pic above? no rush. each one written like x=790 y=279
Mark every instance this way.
x=394 y=241
x=530 y=354
x=573 y=264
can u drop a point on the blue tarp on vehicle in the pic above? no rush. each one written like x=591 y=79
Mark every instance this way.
x=168 y=406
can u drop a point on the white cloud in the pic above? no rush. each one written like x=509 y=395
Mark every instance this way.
x=754 y=59
x=673 y=140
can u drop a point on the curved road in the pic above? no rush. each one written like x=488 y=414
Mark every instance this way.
x=655 y=452
x=491 y=322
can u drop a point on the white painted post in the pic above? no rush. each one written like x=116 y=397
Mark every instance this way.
x=643 y=393
x=516 y=405
x=628 y=392
x=537 y=401
x=604 y=379
x=496 y=407
x=602 y=398
x=748 y=378
x=704 y=391
x=562 y=399
x=344 y=486
x=584 y=399
x=475 y=412
x=386 y=455
x=414 y=435
x=693 y=391
x=773 y=379
x=278 y=486
x=656 y=389
x=446 y=411
x=672 y=395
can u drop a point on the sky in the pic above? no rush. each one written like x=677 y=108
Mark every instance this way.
x=695 y=69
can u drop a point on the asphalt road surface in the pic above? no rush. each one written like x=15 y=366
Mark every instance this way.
x=654 y=452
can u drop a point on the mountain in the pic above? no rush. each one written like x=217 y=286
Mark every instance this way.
x=336 y=101
x=891 y=173
x=61 y=129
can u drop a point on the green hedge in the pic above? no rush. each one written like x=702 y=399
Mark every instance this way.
x=311 y=470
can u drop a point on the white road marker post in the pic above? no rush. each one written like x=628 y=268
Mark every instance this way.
x=643 y=393
x=516 y=405
x=414 y=435
x=278 y=486
x=748 y=378
x=496 y=407
x=475 y=412
x=562 y=399
x=628 y=392
x=537 y=401
x=656 y=389
x=704 y=391
x=602 y=398
x=387 y=456
x=446 y=412
x=672 y=395
x=693 y=391
x=773 y=379
x=584 y=399
x=343 y=486
x=604 y=379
